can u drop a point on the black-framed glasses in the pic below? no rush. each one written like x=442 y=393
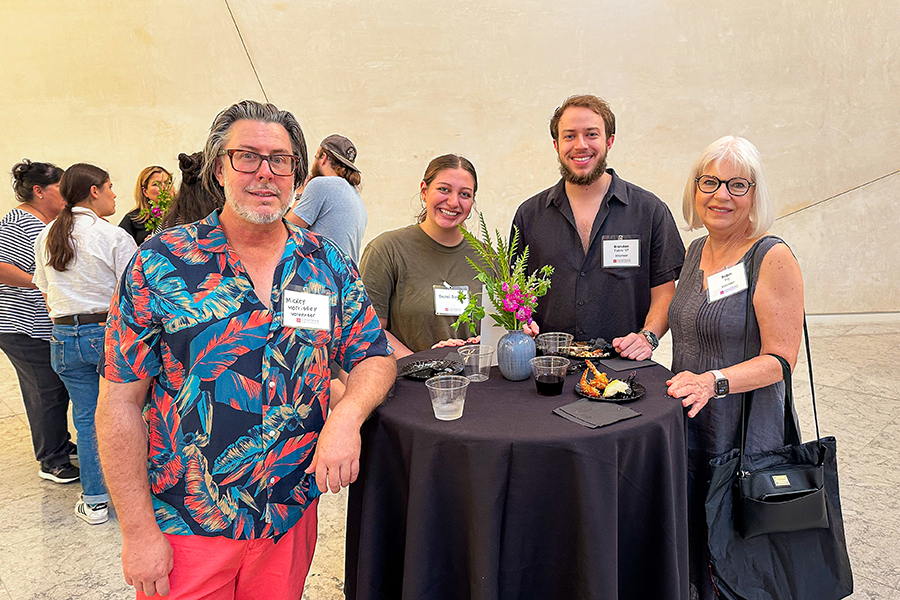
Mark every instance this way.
x=736 y=186
x=247 y=161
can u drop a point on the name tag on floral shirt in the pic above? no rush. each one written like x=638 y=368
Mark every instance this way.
x=726 y=283
x=302 y=310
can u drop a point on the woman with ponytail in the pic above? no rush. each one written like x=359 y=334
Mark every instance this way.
x=79 y=259
x=24 y=322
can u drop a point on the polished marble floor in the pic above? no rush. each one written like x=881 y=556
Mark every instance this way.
x=48 y=553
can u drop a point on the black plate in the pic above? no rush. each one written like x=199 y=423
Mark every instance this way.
x=605 y=354
x=421 y=370
x=637 y=391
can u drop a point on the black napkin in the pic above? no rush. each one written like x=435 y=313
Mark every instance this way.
x=454 y=357
x=595 y=414
x=624 y=364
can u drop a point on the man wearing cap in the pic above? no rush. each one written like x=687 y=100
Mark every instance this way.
x=330 y=203
x=615 y=248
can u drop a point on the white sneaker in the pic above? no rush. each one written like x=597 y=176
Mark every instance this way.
x=94 y=514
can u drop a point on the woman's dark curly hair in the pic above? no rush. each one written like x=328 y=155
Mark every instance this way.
x=193 y=201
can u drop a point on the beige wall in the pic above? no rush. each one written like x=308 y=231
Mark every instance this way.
x=133 y=83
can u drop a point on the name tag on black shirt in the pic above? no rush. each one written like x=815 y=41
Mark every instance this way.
x=618 y=251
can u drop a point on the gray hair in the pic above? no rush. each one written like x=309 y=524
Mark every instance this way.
x=251 y=111
x=742 y=155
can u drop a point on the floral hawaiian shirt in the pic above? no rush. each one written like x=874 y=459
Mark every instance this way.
x=238 y=398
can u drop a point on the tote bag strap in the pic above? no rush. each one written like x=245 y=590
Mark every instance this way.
x=791 y=432
x=747 y=397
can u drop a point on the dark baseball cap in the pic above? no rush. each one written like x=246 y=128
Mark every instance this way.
x=342 y=149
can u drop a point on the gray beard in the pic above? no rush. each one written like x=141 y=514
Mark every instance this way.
x=588 y=179
x=252 y=217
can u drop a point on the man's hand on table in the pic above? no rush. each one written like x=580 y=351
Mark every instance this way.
x=634 y=346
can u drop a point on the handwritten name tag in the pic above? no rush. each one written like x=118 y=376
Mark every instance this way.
x=447 y=302
x=303 y=310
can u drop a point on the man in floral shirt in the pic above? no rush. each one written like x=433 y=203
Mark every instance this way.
x=231 y=324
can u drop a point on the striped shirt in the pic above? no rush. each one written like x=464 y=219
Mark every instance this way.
x=22 y=310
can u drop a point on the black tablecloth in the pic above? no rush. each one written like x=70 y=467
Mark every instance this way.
x=513 y=502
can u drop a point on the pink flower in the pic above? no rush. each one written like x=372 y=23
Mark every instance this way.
x=505 y=287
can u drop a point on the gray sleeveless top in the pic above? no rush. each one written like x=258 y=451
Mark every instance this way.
x=711 y=336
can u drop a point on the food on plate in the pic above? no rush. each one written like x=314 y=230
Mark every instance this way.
x=587 y=350
x=593 y=382
x=616 y=387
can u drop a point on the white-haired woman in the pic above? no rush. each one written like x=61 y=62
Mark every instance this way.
x=727 y=194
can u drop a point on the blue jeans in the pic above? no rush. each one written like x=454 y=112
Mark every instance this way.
x=75 y=352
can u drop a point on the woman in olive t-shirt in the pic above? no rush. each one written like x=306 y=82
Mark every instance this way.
x=401 y=268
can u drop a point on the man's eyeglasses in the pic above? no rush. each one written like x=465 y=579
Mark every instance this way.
x=245 y=161
x=736 y=186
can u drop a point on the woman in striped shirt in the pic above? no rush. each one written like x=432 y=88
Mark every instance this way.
x=24 y=323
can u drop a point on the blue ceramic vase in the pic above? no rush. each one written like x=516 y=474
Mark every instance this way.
x=514 y=350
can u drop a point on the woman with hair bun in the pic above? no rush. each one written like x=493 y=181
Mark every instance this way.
x=193 y=201
x=401 y=268
x=150 y=182
x=79 y=261
x=24 y=322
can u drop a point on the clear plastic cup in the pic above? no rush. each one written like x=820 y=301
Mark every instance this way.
x=549 y=374
x=477 y=361
x=554 y=343
x=448 y=395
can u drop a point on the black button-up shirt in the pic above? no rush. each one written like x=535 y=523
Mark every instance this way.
x=586 y=299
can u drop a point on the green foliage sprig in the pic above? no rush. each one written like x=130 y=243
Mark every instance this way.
x=155 y=211
x=512 y=293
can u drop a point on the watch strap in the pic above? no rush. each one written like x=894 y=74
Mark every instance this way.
x=719 y=376
x=650 y=337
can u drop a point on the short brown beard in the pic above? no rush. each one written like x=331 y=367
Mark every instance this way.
x=587 y=179
x=314 y=170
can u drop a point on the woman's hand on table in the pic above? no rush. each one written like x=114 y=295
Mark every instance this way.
x=452 y=342
x=693 y=390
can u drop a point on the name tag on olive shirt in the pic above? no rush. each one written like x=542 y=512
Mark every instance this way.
x=302 y=310
x=621 y=251
x=447 y=302
x=726 y=283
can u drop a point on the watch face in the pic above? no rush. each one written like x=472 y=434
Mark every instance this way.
x=721 y=387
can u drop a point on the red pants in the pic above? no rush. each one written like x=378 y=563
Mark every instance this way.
x=216 y=568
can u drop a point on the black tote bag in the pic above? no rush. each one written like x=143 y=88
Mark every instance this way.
x=786 y=542
x=801 y=565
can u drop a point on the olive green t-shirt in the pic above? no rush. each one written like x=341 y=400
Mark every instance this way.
x=400 y=269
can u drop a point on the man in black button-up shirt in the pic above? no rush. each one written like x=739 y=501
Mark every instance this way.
x=615 y=247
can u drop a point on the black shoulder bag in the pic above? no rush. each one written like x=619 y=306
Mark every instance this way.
x=774 y=518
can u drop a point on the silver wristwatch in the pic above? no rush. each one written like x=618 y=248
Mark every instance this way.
x=651 y=338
